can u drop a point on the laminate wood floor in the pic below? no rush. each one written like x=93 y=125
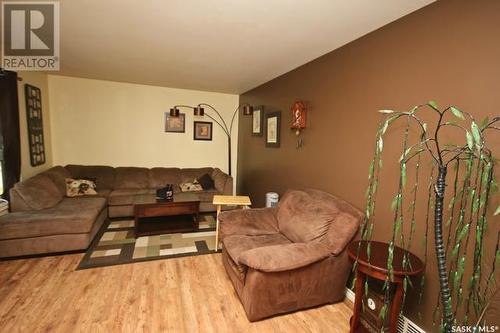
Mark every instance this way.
x=191 y=294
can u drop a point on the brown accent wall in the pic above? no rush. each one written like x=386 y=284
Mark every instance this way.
x=448 y=52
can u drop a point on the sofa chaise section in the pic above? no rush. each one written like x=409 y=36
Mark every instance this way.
x=44 y=221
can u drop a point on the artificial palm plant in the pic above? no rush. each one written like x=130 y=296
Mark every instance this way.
x=471 y=185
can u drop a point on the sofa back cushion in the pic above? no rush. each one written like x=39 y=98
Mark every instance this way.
x=39 y=192
x=301 y=218
x=131 y=177
x=104 y=175
x=159 y=177
x=220 y=179
x=308 y=215
x=190 y=174
x=58 y=174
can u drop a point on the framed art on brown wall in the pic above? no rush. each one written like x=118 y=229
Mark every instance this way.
x=33 y=98
x=175 y=124
x=257 y=121
x=202 y=130
x=273 y=123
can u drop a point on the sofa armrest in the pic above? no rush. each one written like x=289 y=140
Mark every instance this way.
x=278 y=258
x=256 y=221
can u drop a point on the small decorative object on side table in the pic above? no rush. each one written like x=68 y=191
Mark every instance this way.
x=227 y=200
x=376 y=268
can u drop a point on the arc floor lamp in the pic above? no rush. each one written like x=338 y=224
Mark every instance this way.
x=199 y=110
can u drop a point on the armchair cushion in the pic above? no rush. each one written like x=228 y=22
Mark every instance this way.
x=259 y=221
x=284 y=257
x=305 y=215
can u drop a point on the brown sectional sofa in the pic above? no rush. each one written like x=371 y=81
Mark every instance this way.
x=44 y=220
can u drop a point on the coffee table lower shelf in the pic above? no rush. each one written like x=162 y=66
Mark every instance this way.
x=147 y=226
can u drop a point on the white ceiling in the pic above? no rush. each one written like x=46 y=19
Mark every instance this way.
x=220 y=45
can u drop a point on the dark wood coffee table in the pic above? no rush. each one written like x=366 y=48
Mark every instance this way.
x=153 y=217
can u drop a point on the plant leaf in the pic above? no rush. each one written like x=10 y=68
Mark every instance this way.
x=403 y=174
x=457 y=113
x=485 y=122
x=380 y=144
x=386 y=111
x=470 y=140
x=395 y=202
x=433 y=104
x=475 y=133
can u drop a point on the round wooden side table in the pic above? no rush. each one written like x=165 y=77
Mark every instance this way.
x=376 y=268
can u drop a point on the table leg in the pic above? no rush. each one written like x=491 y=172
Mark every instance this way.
x=358 y=298
x=396 y=307
x=217 y=229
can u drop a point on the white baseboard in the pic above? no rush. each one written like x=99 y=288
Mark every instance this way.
x=405 y=325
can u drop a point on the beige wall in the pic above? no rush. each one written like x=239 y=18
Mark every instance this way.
x=122 y=124
x=39 y=80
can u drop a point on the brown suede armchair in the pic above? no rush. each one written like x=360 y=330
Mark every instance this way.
x=291 y=257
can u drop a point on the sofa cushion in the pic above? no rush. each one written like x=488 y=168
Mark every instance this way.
x=207 y=196
x=58 y=174
x=70 y=216
x=190 y=174
x=104 y=175
x=131 y=177
x=103 y=193
x=305 y=215
x=219 y=178
x=236 y=245
x=159 y=177
x=39 y=192
x=126 y=196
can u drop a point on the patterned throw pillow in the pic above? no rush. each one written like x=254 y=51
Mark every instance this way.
x=79 y=187
x=191 y=187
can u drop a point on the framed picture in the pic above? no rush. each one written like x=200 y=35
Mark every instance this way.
x=202 y=130
x=257 y=121
x=175 y=124
x=273 y=123
x=34 y=117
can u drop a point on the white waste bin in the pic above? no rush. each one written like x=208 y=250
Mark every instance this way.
x=272 y=199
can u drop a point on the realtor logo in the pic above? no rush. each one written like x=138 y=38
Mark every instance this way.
x=30 y=39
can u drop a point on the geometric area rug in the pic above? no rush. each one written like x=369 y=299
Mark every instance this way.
x=115 y=243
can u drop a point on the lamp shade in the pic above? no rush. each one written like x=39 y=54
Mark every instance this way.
x=247 y=110
x=198 y=111
x=174 y=112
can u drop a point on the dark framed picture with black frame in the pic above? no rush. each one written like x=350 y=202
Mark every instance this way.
x=202 y=130
x=34 y=118
x=273 y=123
